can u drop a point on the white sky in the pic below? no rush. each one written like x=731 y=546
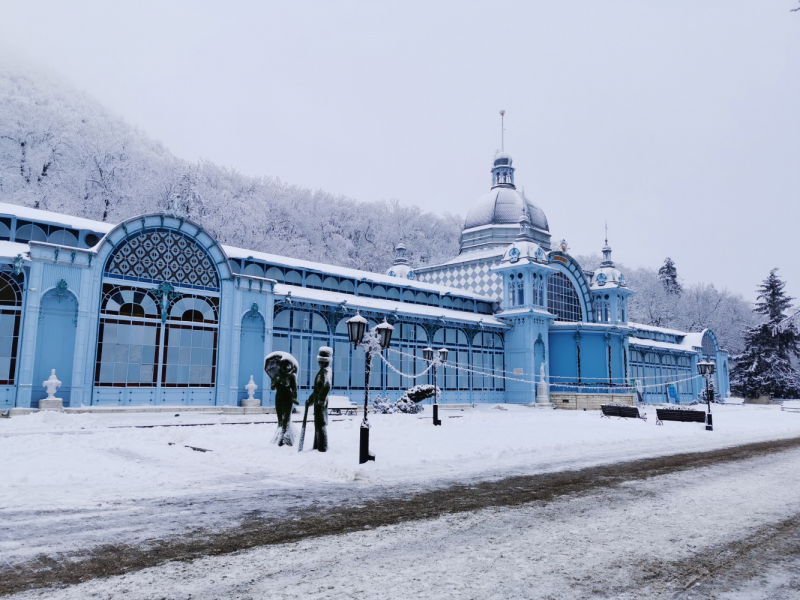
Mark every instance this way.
x=678 y=122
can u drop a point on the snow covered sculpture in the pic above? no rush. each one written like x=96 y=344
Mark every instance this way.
x=282 y=369
x=251 y=400
x=542 y=397
x=251 y=388
x=51 y=384
x=319 y=397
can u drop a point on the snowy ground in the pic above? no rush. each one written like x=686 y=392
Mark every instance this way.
x=77 y=460
x=655 y=538
x=72 y=481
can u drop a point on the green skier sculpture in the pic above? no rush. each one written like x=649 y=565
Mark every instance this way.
x=282 y=369
x=319 y=398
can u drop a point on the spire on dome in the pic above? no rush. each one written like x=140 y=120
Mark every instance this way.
x=607 y=251
x=525 y=228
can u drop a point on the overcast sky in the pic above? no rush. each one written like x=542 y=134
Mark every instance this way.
x=677 y=122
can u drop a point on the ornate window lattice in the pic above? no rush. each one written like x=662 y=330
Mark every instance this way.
x=164 y=256
x=562 y=299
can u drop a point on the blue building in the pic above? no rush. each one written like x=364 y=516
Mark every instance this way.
x=155 y=311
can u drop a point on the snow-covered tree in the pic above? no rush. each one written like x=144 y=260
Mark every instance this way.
x=668 y=276
x=765 y=366
x=62 y=151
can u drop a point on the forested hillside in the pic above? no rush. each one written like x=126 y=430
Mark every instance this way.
x=62 y=151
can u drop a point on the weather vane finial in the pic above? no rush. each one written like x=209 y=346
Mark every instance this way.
x=606 y=233
x=502 y=131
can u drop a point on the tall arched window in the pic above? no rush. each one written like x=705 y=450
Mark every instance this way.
x=128 y=352
x=10 y=320
x=562 y=299
x=159 y=315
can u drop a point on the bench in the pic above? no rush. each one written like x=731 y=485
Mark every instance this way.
x=677 y=414
x=621 y=411
x=341 y=405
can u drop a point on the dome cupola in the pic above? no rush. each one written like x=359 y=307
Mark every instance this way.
x=493 y=221
x=502 y=171
x=401 y=267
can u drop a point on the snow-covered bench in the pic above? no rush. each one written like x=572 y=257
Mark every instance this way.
x=680 y=415
x=341 y=405
x=622 y=411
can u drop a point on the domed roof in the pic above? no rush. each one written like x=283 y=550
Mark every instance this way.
x=502 y=159
x=504 y=206
x=402 y=271
x=607 y=275
x=522 y=250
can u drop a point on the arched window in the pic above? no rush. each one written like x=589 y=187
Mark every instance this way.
x=274 y=273
x=10 y=321
x=63 y=237
x=708 y=346
x=163 y=333
x=346 y=287
x=254 y=269
x=330 y=284
x=562 y=299
x=128 y=350
x=30 y=232
x=313 y=281
x=163 y=256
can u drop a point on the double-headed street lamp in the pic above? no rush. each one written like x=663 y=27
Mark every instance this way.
x=375 y=341
x=427 y=354
x=706 y=369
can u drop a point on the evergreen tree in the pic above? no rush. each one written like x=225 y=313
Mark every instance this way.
x=668 y=276
x=765 y=367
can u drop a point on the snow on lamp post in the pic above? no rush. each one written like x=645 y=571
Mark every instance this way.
x=706 y=369
x=375 y=341
x=441 y=358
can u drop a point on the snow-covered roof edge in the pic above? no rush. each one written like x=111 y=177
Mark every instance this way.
x=401 y=308
x=35 y=214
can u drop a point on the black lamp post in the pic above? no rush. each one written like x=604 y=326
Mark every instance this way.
x=427 y=354
x=356 y=326
x=706 y=369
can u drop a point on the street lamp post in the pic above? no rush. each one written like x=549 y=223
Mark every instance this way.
x=376 y=340
x=427 y=354
x=706 y=369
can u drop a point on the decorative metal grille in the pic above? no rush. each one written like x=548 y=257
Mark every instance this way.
x=562 y=299
x=164 y=256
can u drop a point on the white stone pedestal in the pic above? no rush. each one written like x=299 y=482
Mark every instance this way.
x=248 y=403
x=51 y=404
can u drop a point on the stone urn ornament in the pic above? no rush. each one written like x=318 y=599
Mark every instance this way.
x=51 y=384
x=251 y=401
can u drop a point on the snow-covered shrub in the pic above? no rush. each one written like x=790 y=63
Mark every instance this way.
x=418 y=393
x=408 y=402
